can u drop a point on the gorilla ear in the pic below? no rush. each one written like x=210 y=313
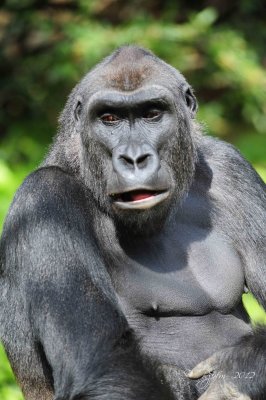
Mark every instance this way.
x=191 y=102
x=78 y=109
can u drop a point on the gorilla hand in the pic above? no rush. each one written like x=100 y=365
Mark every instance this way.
x=221 y=386
x=239 y=371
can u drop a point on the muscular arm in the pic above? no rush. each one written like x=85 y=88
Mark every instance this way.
x=49 y=257
x=239 y=197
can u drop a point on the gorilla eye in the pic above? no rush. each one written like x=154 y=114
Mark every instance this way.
x=152 y=114
x=109 y=118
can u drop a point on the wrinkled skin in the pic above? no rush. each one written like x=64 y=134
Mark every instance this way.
x=125 y=255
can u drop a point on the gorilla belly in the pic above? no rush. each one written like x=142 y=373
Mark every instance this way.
x=184 y=341
x=181 y=293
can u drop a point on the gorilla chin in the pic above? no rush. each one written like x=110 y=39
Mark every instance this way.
x=142 y=212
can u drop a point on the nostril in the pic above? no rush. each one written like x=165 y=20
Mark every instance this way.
x=142 y=160
x=135 y=161
x=126 y=160
x=132 y=162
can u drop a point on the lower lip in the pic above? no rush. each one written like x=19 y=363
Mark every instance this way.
x=142 y=204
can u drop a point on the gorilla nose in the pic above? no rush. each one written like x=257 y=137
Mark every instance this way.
x=135 y=160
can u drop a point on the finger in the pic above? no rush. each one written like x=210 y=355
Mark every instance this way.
x=205 y=367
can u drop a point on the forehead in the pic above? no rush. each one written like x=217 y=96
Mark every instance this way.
x=127 y=78
x=130 y=69
x=127 y=72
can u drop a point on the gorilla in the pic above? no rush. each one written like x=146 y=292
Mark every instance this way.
x=124 y=256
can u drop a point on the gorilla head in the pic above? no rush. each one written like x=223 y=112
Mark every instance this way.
x=131 y=141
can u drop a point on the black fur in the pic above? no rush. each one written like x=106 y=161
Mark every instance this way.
x=103 y=301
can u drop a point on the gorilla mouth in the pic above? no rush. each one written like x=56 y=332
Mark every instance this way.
x=139 y=199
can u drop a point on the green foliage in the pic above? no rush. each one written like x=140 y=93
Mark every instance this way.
x=257 y=314
x=8 y=387
x=46 y=46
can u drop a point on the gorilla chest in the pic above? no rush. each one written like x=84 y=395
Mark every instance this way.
x=187 y=271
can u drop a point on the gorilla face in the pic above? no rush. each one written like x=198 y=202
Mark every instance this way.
x=137 y=154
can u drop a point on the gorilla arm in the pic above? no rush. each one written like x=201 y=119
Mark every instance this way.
x=242 y=367
x=50 y=258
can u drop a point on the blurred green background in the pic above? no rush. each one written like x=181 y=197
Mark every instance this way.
x=46 y=46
